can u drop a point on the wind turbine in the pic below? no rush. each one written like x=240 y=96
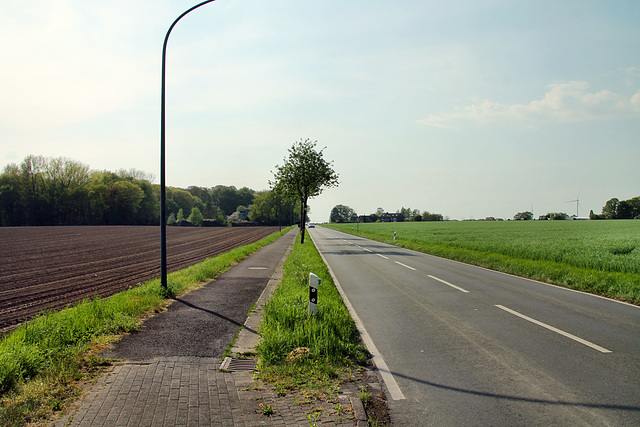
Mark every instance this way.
x=577 y=200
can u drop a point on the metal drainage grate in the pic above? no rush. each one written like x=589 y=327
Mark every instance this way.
x=230 y=364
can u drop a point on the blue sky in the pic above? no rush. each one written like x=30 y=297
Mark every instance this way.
x=464 y=108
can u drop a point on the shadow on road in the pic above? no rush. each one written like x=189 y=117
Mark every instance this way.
x=520 y=399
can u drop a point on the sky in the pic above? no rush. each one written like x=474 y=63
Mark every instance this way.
x=467 y=108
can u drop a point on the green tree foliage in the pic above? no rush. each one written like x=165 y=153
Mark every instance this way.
x=523 y=216
x=195 y=217
x=124 y=202
x=610 y=209
x=428 y=216
x=621 y=209
x=59 y=191
x=342 y=213
x=409 y=213
x=554 y=216
x=303 y=175
x=270 y=208
x=228 y=198
x=172 y=219
x=180 y=216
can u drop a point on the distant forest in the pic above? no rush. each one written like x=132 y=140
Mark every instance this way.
x=60 y=191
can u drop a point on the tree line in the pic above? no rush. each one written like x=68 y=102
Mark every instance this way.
x=619 y=209
x=613 y=209
x=60 y=191
x=343 y=213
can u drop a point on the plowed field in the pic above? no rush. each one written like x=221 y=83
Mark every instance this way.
x=50 y=267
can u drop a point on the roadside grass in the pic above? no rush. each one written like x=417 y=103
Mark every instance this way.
x=300 y=351
x=42 y=361
x=600 y=257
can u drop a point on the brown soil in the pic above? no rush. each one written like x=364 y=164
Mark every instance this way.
x=47 y=268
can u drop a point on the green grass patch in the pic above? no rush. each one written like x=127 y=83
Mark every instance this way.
x=328 y=342
x=601 y=257
x=42 y=360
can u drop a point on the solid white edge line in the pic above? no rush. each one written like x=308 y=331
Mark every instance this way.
x=382 y=256
x=385 y=373
x=449 y=284
x=405 y=265
x=556 y=330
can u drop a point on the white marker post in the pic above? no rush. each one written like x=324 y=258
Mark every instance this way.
x=314 y=282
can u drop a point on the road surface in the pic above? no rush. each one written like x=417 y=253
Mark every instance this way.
x=462 y=345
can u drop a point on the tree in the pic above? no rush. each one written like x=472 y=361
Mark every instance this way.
x=228 y=198
x=124 y=202
x=270 y=208
x=610 y=209
x=196 y=217
x=523 y=216
x=303 y=175
x=428 y=216
x=172 y=219
x=342 y=213
x=554 y=216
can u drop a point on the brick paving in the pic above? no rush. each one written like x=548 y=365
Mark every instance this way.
x=193 y=391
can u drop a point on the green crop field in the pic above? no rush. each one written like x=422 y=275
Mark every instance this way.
x=596 y=256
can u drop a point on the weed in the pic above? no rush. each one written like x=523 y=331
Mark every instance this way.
x=313 y=418
x=266 y=410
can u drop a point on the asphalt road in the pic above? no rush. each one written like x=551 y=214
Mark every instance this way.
x=462 y=345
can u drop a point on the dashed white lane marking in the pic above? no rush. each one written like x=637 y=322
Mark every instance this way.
x=449 y=284
x=257 y=268
x=556 y=330
x=382 y=256
x=405 y=265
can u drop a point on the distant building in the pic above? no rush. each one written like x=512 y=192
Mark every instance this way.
x=391 y=217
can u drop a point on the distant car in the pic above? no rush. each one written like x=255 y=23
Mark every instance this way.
x=311 y=225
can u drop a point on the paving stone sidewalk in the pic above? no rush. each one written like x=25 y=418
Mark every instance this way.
x=193 y=391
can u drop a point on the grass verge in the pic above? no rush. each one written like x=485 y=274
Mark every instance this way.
x=299 y=351
x=43 y=360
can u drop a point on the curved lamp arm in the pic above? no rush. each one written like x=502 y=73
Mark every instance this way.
x=163 y=204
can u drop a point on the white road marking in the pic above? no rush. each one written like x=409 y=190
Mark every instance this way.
x=449 y=284
x=368 y=250
x=385 y=373
x=382 y=256
x=257 y=268
x=556 y=330
x=405 y=265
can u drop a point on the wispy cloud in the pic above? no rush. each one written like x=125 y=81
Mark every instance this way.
x=566 y=102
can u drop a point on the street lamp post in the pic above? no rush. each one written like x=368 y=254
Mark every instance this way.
x=163 y=201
